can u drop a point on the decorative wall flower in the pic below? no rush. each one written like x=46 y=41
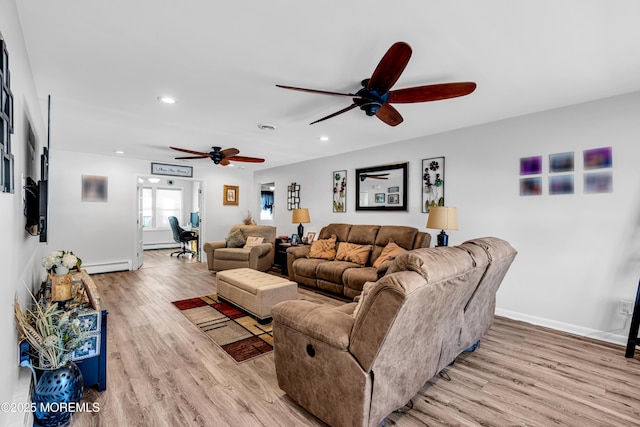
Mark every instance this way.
x=339 y=189
x=433 y=184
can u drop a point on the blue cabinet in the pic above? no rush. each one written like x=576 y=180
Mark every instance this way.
x=91 y=357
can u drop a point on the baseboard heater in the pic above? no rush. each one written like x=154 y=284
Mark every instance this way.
x=108 y=267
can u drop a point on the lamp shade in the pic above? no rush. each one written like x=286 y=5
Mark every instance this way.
x=300 y=216
x=443 y=218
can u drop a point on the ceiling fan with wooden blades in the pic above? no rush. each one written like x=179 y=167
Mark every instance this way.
x=218 y=155
x=375 y=97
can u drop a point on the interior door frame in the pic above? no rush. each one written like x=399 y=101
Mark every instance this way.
x=201 y=196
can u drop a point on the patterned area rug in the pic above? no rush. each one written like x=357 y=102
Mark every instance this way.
x=237 y=333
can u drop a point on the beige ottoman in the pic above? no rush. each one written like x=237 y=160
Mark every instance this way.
x=254 y=291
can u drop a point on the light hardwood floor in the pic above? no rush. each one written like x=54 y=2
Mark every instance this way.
x=162 y=371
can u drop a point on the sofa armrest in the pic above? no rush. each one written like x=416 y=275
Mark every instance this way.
x=212 y=246
x=261 y=249
x=209 y=248
x=322 y=322
x=293 y=253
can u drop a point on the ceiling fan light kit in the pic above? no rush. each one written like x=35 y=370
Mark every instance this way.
x=375 y=97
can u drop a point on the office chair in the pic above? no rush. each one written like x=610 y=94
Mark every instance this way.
x=181 y=236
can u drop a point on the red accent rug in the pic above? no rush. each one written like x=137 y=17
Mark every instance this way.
x=238 y=334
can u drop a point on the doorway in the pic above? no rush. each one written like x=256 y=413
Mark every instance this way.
x=159 y=197
x=267 y=191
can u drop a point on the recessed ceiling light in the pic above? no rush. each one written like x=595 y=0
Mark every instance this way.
x=119 y=152
x=267 y=126
x=324 y=138
x=167 y=99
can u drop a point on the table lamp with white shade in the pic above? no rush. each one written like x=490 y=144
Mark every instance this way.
x=444 y=218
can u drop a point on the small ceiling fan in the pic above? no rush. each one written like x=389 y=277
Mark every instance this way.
x=375 y=97
x=218 y=155
x=364 y=176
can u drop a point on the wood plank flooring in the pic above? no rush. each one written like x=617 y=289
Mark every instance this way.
x=162 y=371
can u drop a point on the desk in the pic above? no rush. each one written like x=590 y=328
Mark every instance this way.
x=194 y=244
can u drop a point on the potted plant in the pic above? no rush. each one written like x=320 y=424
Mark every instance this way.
x=53 y=334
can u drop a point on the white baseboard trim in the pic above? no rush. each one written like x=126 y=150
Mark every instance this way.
x=108 y=267
x=608 y=336
x=170 y=245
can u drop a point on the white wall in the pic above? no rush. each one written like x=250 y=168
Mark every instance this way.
x=20 y=253
x=103 y=234
x=578 y=254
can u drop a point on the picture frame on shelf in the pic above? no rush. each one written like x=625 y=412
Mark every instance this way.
x=231 y=195
x=310 y=236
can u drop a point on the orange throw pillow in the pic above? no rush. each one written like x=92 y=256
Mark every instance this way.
x=389 y=252
x=354 y=253
x=323 y=249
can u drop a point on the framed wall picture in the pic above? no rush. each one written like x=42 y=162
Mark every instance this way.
x=598 y=182
x=231 y=195
x=432 y=183
x=293 y=196
x=171 y=170
x=561 y=184
x=561 y=162
x=339 y=191
x=372 y=184
x=94 y=188
x=531 y=165
x=598 y=158
x=531 y=186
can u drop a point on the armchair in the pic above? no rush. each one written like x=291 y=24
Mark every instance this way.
x=354 y=364
x=234 y=253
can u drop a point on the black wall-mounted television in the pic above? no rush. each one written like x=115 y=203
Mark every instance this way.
x=31 y=206
x=43 y=195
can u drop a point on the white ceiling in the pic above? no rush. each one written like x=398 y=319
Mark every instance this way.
x=104 y=63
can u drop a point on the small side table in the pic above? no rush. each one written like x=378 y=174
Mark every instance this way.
x=281 y=254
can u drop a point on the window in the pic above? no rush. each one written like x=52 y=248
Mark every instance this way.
x=158 y=204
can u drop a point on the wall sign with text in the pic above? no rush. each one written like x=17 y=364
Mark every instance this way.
x=171 y=170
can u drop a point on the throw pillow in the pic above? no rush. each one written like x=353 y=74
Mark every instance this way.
x=235 y=239
x=253 y=241
x=323 y=248
x=354 y=253
x=389 y=252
